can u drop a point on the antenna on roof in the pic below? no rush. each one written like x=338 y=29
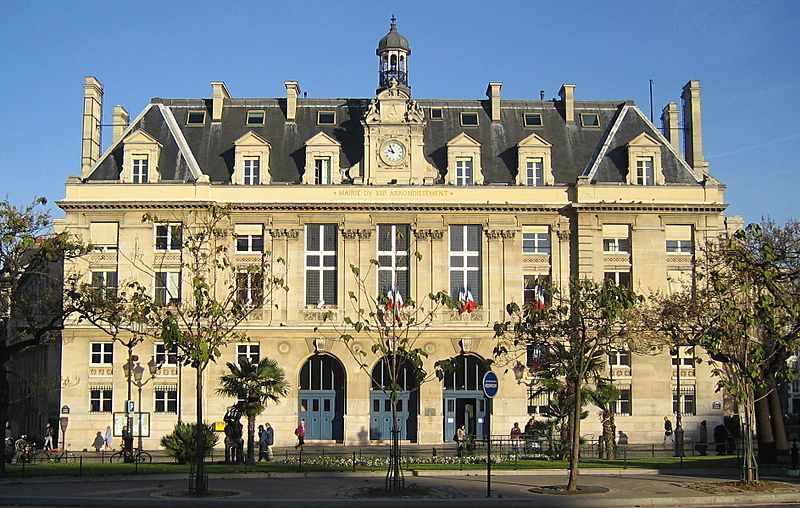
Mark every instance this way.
x=651 y=101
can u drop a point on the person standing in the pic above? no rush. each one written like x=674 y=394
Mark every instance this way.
x=262 y=443
x=516 y=435
x=270 y=434
x=461 y=436
x=668 y=431
x=109 y=437
x=702 y=438
x=300 y=432
x=127 y=444
x=98 y=442
x=48 y=437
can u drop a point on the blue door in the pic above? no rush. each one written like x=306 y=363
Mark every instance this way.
x=467 y=408
x=317 y=408
x=381 y=422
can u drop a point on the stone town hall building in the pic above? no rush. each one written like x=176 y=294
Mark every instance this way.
x=496 y=194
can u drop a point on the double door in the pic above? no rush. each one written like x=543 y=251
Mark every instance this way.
x=318 y=409
x=381 y=421
x=465 y=408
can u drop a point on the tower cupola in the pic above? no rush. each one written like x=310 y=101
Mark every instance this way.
x=393 y=51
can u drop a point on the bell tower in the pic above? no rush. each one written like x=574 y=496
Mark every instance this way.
x=393 y=51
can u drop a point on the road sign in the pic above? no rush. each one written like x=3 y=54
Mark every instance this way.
x=130 y=407
x=490 y=384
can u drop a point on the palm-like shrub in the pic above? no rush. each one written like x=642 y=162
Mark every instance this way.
x=181 y=443
x=254 y=384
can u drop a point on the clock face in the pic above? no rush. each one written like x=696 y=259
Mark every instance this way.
x=394 y=151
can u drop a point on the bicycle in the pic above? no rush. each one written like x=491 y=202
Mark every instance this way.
x=136 y=456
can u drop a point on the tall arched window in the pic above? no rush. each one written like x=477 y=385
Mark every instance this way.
x=468 y=373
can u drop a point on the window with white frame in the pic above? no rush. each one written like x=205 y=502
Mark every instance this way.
x=104 y=284
x=465 y=262
x=140 y=170
x=100 y=398
x=619 y=358
x=165 y=399
x=322 y=171
x=685 y=400
x=536 y=240
x=464 y=174
x=620 y=278
x=616 y=238
x=249 y=237
x=644 y=171
x=538 y=400
x=534 y=290
x=102 y=353
x=393 y=243
x=248 y=352
x=683 y=356
x=168 y=237
x=252 y=170
x=167 y=288
x=321 y=264
x=622 y=406
x=534 y=172
x=250 y=288
x=163 y=357
x=679 y=239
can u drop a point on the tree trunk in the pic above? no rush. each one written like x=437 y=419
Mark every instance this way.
x=394 y=475
x=4 y=401
x=749 y=465
x=608 y=434
x=575 y=435
x=776 y=415
x=200 y=471
x=251 y=431
x=766 y=441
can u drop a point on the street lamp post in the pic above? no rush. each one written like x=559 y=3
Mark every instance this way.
x=678 y=412
x=138 y=372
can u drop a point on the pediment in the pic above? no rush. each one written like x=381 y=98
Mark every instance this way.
x=463 y=139
x=534 y=140
x=644 y=140
x=322 y=139
x=140 y=137
x=250 y=138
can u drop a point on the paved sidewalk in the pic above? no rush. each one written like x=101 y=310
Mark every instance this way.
x=625 y=488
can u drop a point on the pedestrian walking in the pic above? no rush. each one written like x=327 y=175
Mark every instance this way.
x=702 y=438
x=48 y=437
x=270 y=433
x=98 y=441
x=109 y=437
x=300 y=432
x=461 y=436
x=516 y=435
x=262 y=443
x=668 y=431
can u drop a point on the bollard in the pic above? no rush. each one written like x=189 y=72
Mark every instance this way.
x=80 y=465
x=136 y=464
x=653 y=450
x=625 y=458
x=433 y=452
x=794 y=454
x=286 y=452
x=354 y=461
x=301 y=460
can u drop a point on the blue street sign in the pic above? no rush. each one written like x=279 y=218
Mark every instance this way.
x=490 y=384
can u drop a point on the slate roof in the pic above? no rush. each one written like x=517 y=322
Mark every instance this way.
x=597 y=152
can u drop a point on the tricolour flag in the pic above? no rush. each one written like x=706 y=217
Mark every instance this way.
x=539 y=302
x=466 y=300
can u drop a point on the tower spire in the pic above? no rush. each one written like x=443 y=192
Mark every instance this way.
x=393 y=51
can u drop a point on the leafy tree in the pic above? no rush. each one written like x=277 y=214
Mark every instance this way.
x=573 y=334
x=31 y=282
x=181 y=443
x=254 y=384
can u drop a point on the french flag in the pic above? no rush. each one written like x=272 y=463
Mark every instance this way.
x=394 y=302
x=539 y=302
x=467 y=302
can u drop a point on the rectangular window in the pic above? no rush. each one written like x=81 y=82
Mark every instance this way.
x=141 y=172
x=100 y=399
x=679 y=239
x=464 y=171
x=163 y=357
x=536 y=240
x=616 y=238
x=590 y=120
x=683 y=356
x=538 y=400
x=104 y=284
x=166 y=399
x=326 y=118
x=619 y=358
x=252 y=170
x=534 y=172
x=619 y=278
x=393 y=243
x=685 y=400
x=436 y=114
x=321 y=263
x=102 y=353
x=196 y=118
x=104 y=236
x=469 y=119
x=249 y=352
x=256 y=117
x=622 y=406
x=249 y=237
x=465 y=262
x=533 y=119
x=250 y=288
x=534 y=290
x=644 y=171
x=168 y=237
x=322 y=171
x=167 y=287
x=534 y=357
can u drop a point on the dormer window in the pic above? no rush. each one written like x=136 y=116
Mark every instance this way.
x=322 y=161
x=590 y=120
x=644 y=171
x=140 y=170
x=533 y=119
x=322 y=171
x=140 y=158
x=464 y=161
x=534 y=168
x=464 y=174
x=255 y=117
x=252 y=170
x=644 y=161
x=436 y=114
x=251 y=162
x=195 y=118
x=469 y=119
x=326 y=118
x=534 y=172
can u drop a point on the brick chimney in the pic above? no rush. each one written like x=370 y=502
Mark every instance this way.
x=493 y=93
x=567 y=94
x=693 y=127
x=669 y=120
x=92 y=118
x=121 y=119
x=219 y=92
x=292 y=92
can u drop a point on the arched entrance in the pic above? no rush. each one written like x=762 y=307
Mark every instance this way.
x=381 y=406
x=464 y=402
x=321 y=397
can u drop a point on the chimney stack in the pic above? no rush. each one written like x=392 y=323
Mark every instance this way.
x=493 y=93
x=669 y=121
x=567 y=94
x=121 y=119
x=219 y=92
x=292 y=92
x=92 y=118
x=692 y=127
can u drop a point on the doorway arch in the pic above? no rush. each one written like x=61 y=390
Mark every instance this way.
x=381 y=404
x=321 y=397
x=464 y=402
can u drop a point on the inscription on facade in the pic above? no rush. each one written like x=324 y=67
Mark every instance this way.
x=393 y=193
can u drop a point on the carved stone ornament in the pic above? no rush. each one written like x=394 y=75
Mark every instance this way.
x=292 y=234
x=496 y=234
x=563 y=233
x=414 y=113
x=433 y=234
x=373 y=113
x=357 y=234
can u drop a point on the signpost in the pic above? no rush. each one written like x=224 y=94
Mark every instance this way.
x=490 y=387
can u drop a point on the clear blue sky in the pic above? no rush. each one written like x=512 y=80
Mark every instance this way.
x=744 y=53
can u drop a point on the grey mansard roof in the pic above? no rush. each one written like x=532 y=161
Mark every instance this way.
x=599 y=153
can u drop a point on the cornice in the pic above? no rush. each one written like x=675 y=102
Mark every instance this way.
x=650 y=207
